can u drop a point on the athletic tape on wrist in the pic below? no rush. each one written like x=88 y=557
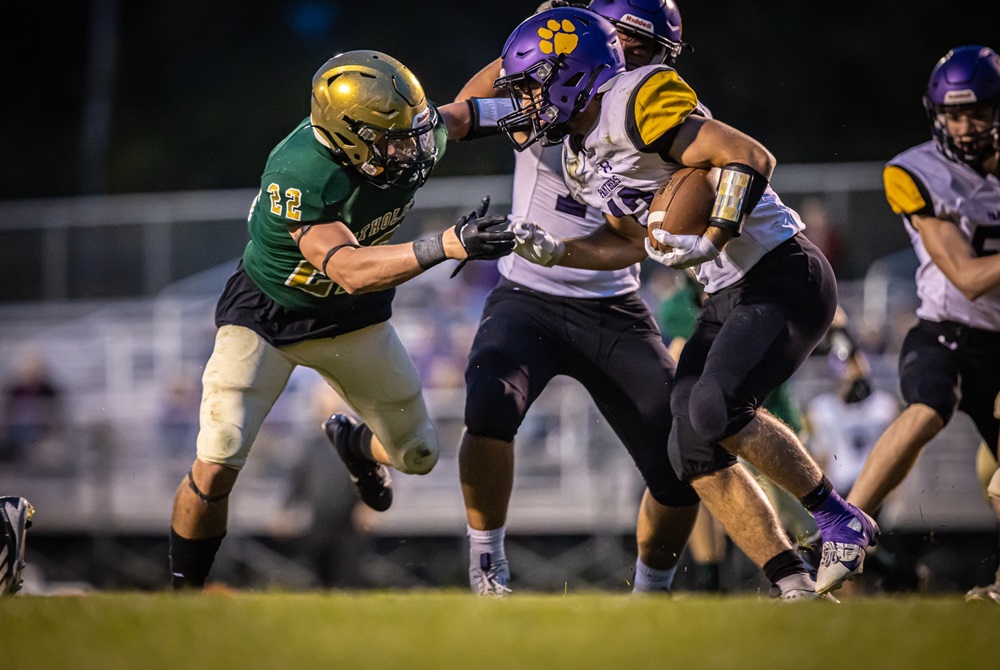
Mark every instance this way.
x=430 y=251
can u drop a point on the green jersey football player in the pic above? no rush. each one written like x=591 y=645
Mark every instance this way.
x=315 y=287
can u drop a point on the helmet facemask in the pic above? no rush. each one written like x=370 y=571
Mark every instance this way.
x=398 y=157
x=971 y=148
x=534 y=115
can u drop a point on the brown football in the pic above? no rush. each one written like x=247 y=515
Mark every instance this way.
x=683 y=204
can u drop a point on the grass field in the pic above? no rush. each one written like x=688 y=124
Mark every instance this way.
x=434 y=629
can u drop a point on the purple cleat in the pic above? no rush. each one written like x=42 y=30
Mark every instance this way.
x=845 y=538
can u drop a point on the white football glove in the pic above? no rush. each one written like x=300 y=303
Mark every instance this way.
x=534 y=244
x=688 y=250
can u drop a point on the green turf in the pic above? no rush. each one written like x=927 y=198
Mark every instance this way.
x=414 y=630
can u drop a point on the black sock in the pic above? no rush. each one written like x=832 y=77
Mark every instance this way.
x=783 y=565
x=815 y=498
x=707 y=577
x=190 y=560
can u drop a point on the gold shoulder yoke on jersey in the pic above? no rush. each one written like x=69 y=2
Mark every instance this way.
x=659 y=104
x=902 y=191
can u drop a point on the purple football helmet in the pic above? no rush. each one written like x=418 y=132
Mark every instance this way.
x=657 y=20
x=552 y=65
x=967 y=76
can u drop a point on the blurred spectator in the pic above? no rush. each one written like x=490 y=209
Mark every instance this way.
x=179 y=417
x=32 y=422
x=845 y=425
x=823 y=232
x=320 y=505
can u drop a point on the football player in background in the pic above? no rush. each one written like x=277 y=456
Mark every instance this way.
x=948 y=193
x=589 y=325
x=771 y=293
x=315 y=288
x=15 y=520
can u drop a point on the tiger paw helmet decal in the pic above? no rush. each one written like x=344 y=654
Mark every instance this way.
x=558 y=37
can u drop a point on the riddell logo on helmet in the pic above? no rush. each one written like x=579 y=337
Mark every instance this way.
x=637 y=22
x=959 y=97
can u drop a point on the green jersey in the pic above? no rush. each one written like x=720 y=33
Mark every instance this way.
x=303 y=183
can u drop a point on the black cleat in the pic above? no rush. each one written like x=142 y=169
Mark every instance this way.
x=371 y=479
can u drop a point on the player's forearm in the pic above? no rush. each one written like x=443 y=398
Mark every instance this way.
x=370 y=269
x=976 y=276
x=602 y=250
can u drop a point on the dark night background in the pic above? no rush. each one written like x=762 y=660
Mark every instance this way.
x=201 y=91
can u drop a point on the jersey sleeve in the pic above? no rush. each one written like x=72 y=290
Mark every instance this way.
x=906 y=193
x=657 y=108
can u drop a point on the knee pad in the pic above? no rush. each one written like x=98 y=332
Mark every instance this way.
x=689 y=454
x=419 y=455
x=672 y=492
x=493 y=408
x=714 y=413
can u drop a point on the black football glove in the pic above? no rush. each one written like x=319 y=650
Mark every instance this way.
x=481 y=243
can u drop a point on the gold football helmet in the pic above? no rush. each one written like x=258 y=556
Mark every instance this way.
x=371 y=111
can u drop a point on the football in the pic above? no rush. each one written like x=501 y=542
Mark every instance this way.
x=683 y=204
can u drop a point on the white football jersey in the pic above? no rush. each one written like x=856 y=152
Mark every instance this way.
x=540 y=197
x=842 y=435
x=618 y=168
x=922 y=181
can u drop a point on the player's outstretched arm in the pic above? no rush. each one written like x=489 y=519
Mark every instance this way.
x=481 y=84
x=334 y=250
x=606 y=248
x=973 y=275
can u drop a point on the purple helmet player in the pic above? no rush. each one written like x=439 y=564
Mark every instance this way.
x=656 y=20
x=552 y=65
x=966 y=79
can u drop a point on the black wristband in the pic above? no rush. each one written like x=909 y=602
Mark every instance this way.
x=429 y=251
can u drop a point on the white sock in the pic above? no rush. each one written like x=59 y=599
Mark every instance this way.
x=649 y=579
x=486 y=542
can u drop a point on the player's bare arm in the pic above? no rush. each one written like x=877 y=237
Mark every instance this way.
x=615 y=245
x=707 y=143
x=481 y=84
x=334 y=250
x=950 y=250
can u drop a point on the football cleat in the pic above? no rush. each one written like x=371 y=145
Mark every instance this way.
x=489 y=579
x=15 y=519
x=988 y=593
x=371 y=479
x=844 y=545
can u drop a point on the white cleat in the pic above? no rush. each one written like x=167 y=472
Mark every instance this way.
x=843 y=556
x=489 y=579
